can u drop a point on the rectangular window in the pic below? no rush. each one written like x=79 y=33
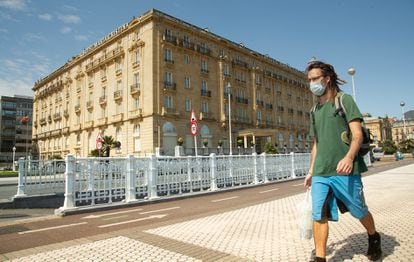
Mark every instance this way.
x=119 y=108
x=204 y=86
x=168 y=78
x=204 y=107
x=186 y=59
x=187 y=82
x=135 y=103
x=203 y=66
x=168 y=102
x=187 y=105
x=168 y=56
x=136 y=58
x=226 y=70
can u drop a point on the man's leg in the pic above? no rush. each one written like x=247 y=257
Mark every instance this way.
x=320 y=236
x=374 y=239
x=368 y=222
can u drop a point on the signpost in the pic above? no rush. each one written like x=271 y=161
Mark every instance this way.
x=194 y=129
x=99 y=141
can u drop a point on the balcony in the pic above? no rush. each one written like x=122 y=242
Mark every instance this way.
x=117 y=118
x=102 y=121
x=77 y=127
x=205 y=93
x=170 y=39
x=49 y=118
x=137 y=113
x=118 y=95
x=103 y=78
x=78 y=89
x=65 y=130
x=42 y=121
x=242 y=100
x=169 y=86
x=135 y=89
x=89 y=105
x=88 y=124
x=169 y=111
x=77 y=109
x=204 y=70
x=206 y=116
x=118 y=72
x=90 y=84
x=102 y=100
x=259 y=103
x=269 y=106
x=203 y=50
x=66 y=113
x=57 y=117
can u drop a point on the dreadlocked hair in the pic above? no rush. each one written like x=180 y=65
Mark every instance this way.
x=327 y=70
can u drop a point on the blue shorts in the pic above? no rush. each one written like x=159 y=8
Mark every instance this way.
x=332 y=192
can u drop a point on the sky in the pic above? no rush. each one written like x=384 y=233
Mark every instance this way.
x=374 y=37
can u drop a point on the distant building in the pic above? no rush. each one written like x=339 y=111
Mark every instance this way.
x=140 y=83
x=399 y=133
x=380 y=129
x=14 y=130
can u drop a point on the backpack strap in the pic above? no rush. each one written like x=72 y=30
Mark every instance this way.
x=313 y=123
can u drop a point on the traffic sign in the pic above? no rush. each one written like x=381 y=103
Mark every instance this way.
x=99 y=141
x=194 y=128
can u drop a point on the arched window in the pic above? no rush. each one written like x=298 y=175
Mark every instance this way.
x=118 y=137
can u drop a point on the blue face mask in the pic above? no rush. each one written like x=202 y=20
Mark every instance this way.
x=317 y=88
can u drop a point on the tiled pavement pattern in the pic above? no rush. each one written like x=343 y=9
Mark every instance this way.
x=264 y=232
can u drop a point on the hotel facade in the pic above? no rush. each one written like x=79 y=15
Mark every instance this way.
x=140 y=83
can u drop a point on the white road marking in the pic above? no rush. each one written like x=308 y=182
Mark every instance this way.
x=301 y=184
x=113 y=213
x=224 y=199
x=51 y=228
x=113 y=218
x=133 y=221
x=158 y=210
x=267 y=191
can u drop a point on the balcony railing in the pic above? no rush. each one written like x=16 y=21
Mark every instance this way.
x=206 y=93
x=102 y=100
x=170 y=38
x=135 y=89
x=118 y=95
x=169 y=86
x=89 y=104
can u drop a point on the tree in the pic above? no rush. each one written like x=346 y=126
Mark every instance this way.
x=388 y=146
x=270 y=148
x=108 y=142
x=407 y=146
x=94 y=153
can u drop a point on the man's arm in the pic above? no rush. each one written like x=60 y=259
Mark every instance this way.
x=308 y=178
x=345 y=166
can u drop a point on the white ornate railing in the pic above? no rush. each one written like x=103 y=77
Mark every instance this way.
x=102 y=181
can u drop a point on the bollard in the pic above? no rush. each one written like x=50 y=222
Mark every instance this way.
x=130 y=180
x=21 y=183
x=213 y=165
x=70 y=181
x=292 y=155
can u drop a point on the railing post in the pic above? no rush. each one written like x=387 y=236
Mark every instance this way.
x=90 y=175
x=256 y=178
x=213 y=165
x=130 y=180
x=152 y=178
x=22 y=179
x=189 y=172
x=70 y=182
x=292 y=155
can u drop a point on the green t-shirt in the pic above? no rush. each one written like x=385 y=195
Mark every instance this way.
x=330 y=147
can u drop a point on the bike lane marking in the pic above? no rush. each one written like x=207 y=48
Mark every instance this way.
x=51 y=228
x=270 y=190
x=134 y=220
x=224 y=199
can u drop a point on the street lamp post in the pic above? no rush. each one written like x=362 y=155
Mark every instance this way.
x=351 y=72
x=14 y=156
x=228 y=94
x=402 y=104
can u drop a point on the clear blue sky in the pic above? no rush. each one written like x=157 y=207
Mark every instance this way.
x=374 y=37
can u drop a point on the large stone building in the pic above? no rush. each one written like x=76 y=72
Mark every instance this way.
x=404 y=129
x=140 y=83
x=15 y=128
x=380 y=129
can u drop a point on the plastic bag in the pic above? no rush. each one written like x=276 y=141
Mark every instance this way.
x=305 y=217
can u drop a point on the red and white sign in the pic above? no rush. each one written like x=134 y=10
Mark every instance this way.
x=99 y=141
x=193 y=121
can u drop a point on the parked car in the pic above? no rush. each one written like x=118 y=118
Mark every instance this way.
x=377 y=153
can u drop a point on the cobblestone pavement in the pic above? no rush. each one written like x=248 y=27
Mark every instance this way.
x=263 y=232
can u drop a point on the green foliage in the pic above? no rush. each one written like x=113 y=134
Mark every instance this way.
x=406 y=146
x=9 y=173
x=269 y=148
x=107 y=144
x=52 y=157
x=388 y=146
x=94 y=153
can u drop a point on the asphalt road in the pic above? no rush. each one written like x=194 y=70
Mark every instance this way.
x=17 y=234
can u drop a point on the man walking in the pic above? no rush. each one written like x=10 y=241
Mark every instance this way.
x=335 y=169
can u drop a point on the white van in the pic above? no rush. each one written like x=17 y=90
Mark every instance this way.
x=377 y=153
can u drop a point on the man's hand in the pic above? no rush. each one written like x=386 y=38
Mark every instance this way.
x=308 y=180
x=344 y=166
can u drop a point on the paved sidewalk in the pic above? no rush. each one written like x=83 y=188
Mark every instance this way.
x=263 y=232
